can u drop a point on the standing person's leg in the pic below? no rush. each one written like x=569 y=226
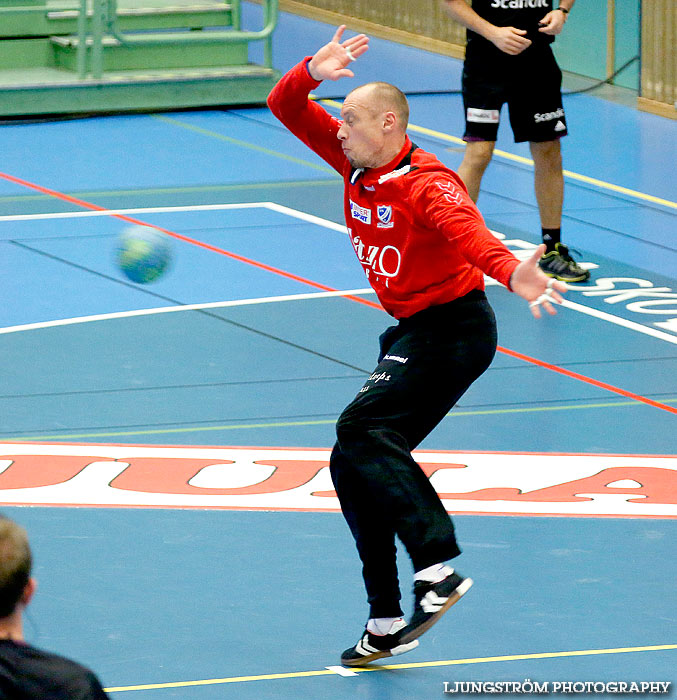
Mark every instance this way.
x=483 y=97
x=476 y=158
x=537 y=116
x=427 y=364
x=548 y=184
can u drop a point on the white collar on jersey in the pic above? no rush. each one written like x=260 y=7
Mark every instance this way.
x=356 y=173
x=395 y=173
x=388 y=176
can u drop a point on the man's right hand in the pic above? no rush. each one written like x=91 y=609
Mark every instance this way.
x=509 y=40
x=329 y=63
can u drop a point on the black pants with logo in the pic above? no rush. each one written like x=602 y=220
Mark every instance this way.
x=427 y=362
x=529 y=83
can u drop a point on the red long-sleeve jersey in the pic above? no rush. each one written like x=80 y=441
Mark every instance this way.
x=419 y=237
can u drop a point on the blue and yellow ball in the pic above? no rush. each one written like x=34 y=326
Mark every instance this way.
x=143 y=253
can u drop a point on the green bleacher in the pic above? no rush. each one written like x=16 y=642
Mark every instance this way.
x=88 y=56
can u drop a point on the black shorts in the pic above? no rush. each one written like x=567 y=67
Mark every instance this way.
x=529 y=83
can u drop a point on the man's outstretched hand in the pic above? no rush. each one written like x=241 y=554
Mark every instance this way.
x=329 y=63
x=532 y=284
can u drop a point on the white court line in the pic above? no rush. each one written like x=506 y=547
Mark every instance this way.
x=310 y=218
x=140 y=210
x=184 y=307
x=626 y=323
x=272 y=206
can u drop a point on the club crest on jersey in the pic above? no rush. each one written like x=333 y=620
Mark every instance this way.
x=385 y=215
x=360 y=213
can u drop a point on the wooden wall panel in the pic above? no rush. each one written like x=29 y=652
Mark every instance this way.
x=658 y=84
x=425 y=24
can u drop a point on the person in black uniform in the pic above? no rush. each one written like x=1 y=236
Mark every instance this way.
x=509 y=59
x=27 y=673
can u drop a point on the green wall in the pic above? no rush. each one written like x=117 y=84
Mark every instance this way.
x=581 y=48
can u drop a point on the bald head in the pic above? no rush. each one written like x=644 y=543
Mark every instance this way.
x=374 y=125
x=384 y=97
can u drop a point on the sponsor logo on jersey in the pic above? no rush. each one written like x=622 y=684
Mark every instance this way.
x=518 y=4
x=482 y=116
x=560 y=126
x=360 y=213
x=385 y=216
x=548 y=116
x=383 y=261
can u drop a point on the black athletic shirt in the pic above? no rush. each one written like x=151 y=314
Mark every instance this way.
x=27 y=673
x=521 y=14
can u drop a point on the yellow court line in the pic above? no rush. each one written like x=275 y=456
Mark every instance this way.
x=244 y=144
x=527 y=161
x=525 y=657
x=189 y=189
x=219 y=681
x=421 y=130
x=423 y=664
x=328 y=421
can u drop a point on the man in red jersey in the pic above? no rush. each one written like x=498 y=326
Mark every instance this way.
x=424 y=248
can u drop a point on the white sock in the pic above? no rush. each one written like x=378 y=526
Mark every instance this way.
x=385 y=625
x=434 y=573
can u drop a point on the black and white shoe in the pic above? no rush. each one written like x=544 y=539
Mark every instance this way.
x=432 y=600
x=375 y=646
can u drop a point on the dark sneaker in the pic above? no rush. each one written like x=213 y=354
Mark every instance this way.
x=559 y=264
x=375 y=646
x=432 y=601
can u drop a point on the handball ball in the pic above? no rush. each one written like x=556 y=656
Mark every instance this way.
x=143 y=253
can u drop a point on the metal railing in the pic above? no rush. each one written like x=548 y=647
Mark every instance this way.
x=103 y=26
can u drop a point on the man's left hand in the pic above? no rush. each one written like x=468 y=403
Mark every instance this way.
x=532 y=284
x=332 y=60
x=552 y=23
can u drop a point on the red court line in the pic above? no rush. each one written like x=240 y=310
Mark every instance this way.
x=366 y=302
x=589 y=380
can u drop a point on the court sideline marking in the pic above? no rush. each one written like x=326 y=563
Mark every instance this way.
x=317 y=285
x=424 y=664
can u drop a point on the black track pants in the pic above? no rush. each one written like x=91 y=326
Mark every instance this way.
x=427 y=362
